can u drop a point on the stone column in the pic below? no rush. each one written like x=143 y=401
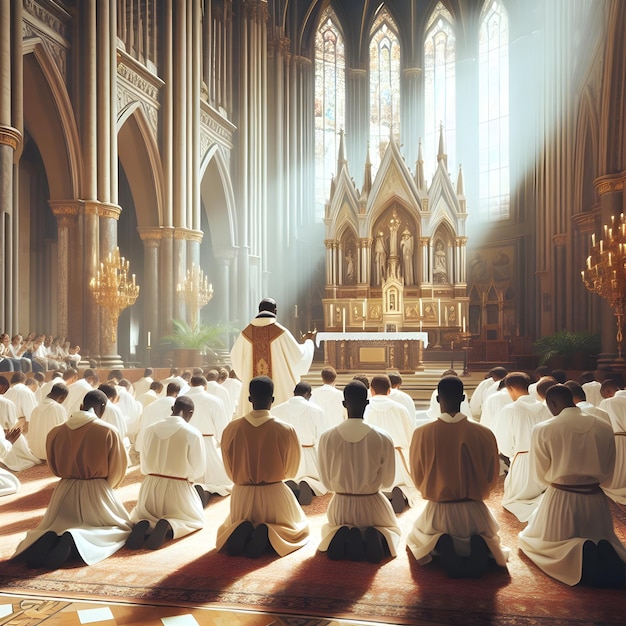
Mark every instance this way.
x=167 y=282
x=411 y=112
x=357 y=120
x=425 y=248
x=151 y=238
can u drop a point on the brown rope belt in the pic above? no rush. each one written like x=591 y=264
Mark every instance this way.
x=357 y=495
x=515 y=457
x=261 y=484
x=207 y=435
x=172 y=477
x=454 y=501
x=308 y=445
x=620 y=433
x=587 y=490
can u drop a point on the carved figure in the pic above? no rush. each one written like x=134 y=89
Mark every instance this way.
x=380 y=258
x=440 y=270
x=406 y=244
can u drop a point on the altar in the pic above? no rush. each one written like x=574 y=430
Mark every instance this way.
x=352 y=351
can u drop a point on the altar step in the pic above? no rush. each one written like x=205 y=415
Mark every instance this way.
x=419 y=385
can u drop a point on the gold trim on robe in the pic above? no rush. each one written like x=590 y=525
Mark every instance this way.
x=261 y=338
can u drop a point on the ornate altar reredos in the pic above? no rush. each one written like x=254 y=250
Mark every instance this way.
x=396 y=251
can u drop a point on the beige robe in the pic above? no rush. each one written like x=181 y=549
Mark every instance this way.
x=454 y=463
x=260 y=452
x=89 y=457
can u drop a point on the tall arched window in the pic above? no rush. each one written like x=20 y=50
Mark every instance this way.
x=384 y=86
x=439 y=88
x=493 y=113
x=330 y=98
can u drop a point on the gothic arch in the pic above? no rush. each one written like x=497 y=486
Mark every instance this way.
x=586 y=154
x=140 y=158
x=49 y=118
x=405 y=212
x=219 y=199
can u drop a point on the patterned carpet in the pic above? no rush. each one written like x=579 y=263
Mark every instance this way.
x=189 y=572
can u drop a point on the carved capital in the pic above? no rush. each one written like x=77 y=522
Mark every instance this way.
x=424 y=241
x=187 y=234
x=101 y=209
x=256 y=10
x=610 y=183
x=412 y=72
x=560 y=239
x=10 y=136
x=151 y=237
x=461 y=241
x=585 y=222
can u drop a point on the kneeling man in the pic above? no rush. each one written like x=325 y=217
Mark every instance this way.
x=172 y=458
x=357 y=460
x=455 y=464
x=85 y=516
x=570 y=536
x=259 y=453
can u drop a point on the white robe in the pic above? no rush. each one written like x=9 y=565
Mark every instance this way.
x=19 y=457
x=394 y=419
x=592 y=391
x=42 y=420
x=175 y=450
x=76 y=393
x=8 y=482
x=357 y=461
x=23 y=398
x=483 y=390
x=142 y=385
x=290 y=361
x=330 y=400
x=233 y=386
x=147 y=398
x=307 y=418
x=492 y=406
x=46 y=388
x=88 y=508
x=403 y=398
x=522 y=493
x=209 y=417
x=214 y=388
x=153 y=413
x=616 y=408
x=574 y=448
x=131 y=410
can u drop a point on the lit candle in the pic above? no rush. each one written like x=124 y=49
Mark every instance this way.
x=343 y=319
x=445 y=314
x=149 y=336
x=458 y=316
x=439 y=310
x=133 y=279
x=593 y=240
x=601 y=245
x=421 y=310
x=464 y=323
x=610 y=262
x=589 y=262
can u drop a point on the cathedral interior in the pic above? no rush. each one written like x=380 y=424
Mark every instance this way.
x=446 y=167
x=272 y=144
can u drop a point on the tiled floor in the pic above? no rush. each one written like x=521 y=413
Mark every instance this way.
x=54 y=611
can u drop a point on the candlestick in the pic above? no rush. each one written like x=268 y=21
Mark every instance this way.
x=149 y=339
x=458 y=315
x=464 y=323
x=439 y=311
x=421 y=309
x=343 y=319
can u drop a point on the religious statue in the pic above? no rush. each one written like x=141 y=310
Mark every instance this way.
x=380 y=257
x=406 y=245
x=350 y=267
x=440 y=270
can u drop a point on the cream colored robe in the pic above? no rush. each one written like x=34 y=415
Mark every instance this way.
x=454 y=463
x=574 y=448
x=89 y=457
x=260 y=452
x=290 y=361
x=42 y=420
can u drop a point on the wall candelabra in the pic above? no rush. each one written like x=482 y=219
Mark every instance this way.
x=605 y=272
x=113 y=290
x=196 y=291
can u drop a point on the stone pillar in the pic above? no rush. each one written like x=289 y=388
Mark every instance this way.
x=151 y=238
x=167 y=282
x=425 y=248
x=357 y=120
x=411 y=112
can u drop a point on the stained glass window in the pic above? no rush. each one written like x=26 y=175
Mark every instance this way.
x=384 y=86
x=439 y=89
x=493 y=112
x=330 y=97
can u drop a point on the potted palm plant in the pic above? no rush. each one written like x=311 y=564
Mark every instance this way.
x=191 y=342
x=567 y=350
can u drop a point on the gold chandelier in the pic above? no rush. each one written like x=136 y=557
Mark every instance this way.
x=605 y=273
x=196 y=291
x=113 y=290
